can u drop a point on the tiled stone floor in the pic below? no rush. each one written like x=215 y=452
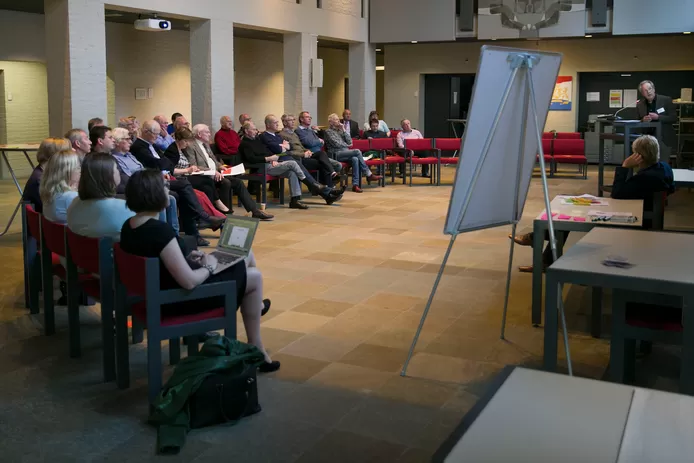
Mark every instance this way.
x=348 y=283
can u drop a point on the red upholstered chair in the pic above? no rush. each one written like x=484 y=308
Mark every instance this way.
x=571 y=151
x=394 y=133
x=378 y=161
x=392 y=155
x=138 y=288
x=568 y=136
x=361 y=134
x=31 y=239
x=547 y=145
x=547 y=135
x=88 y=258
x=52 y=247
x=419 y=145
x=447 y=145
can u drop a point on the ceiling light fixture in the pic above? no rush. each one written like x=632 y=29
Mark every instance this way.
x=378 y=49
x=686 y=33
x=414 y=41
x=588 y=36
x=380 y=68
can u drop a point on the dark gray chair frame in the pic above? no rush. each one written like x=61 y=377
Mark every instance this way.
x=154 y=298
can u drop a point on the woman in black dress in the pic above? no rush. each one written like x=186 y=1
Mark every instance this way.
x=145 y=235
x=204 y=183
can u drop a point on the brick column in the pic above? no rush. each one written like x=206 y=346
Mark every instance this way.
x=75 y=63
x=299 y=49
x=211 y=71
x=362 y=80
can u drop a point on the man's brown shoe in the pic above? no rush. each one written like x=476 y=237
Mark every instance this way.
x=523 y=240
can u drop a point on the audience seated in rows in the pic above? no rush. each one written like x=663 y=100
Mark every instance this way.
x=254 y=151
x=59 y=183
x=276 y=145
x=96 y=212
x=374 y=131
x=308 y=134
x=145 y=236
x=226 y=139
x=320 y=161
x=190 y=210
x=337 y=143
x=243 y=118
x=47 y=149
x=131 y=124
x=128 y=165
x=652 y=177
x=199 y=153
x=351 y=127
x=382 y=126
x=79 y=139
x=165 y=139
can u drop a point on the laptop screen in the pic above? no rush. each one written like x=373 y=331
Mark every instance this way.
x=237 y=235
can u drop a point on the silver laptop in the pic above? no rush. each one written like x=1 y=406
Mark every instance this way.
x=235 y=242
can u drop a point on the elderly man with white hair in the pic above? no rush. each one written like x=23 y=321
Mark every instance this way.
x=200 y=154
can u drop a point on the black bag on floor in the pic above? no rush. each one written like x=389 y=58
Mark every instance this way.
x=225 y=398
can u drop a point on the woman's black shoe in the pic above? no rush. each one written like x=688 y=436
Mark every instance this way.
x=269 y=367
x=266 y=306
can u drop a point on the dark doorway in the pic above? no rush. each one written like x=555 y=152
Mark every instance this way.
x=446 y=96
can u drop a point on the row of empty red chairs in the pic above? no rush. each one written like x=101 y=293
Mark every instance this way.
x=561 y=135
x=125 y=285
x=565 y=151
x=391 y=155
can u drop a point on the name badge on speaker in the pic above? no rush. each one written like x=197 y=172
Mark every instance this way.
x=661 y=111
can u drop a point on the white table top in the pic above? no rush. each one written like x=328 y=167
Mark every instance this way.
x=20 y=147
x=683 y=176
x=545 y=417
x=655 y=255
x=632 y=206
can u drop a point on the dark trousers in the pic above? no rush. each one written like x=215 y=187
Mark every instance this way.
x=189 y=207
x=205 y=184
x=321 y=162
x=236 y=185
x=547 y=258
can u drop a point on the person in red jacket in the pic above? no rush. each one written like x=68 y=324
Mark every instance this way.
x=226 y=138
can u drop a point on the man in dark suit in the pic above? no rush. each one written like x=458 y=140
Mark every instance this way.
x=351 y=126
x=659 y=108
x=191 y=211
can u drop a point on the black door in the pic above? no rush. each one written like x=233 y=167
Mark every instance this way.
x=446 y=96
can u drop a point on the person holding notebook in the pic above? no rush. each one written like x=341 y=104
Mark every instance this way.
x=144 y=235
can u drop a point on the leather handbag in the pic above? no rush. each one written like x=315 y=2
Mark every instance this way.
x=225 y=398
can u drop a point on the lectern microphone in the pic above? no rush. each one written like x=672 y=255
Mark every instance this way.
x=613 y=117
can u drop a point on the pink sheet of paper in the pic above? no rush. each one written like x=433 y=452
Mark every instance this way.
x=544 y=216
x=579 y=219
x=564 y=217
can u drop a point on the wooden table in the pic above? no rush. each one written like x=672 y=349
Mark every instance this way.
x=538 y=417
x=453 y=122
x=684 y=178
x=628 y=127
x=662 y=265
x=22 y=148
x=540 y=226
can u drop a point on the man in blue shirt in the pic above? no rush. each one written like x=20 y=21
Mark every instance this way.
x=164 y=139
x=307 y=134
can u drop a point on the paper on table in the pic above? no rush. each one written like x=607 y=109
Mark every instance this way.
x=234 y=170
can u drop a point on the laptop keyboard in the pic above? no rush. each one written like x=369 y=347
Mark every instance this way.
x=224 y=258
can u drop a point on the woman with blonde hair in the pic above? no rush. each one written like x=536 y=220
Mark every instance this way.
x=59 y=183
x=47 y=149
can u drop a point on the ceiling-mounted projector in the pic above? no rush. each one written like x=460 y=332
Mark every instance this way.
x=154 y=25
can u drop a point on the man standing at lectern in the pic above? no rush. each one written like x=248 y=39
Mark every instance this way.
x=659 y=108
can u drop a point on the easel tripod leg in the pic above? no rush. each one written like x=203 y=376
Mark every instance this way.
x=508 y=282
x=428 y=306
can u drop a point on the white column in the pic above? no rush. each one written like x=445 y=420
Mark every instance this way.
x=75 y=63
x=299 y=49
x=211 y=71
x=362 y=80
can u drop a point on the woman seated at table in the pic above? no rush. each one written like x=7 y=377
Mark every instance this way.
x=652 y=177
x=144 y=235
x=97 y=212
x=59 y=184
x=46 y=150
x=183 y=138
